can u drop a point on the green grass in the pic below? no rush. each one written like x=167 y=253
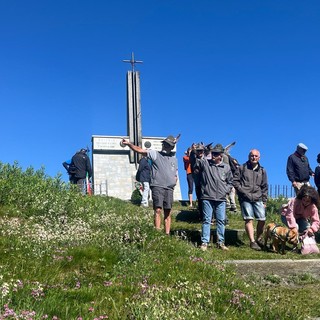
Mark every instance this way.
x=65 y=256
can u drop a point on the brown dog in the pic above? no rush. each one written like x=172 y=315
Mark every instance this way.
x=278 y=234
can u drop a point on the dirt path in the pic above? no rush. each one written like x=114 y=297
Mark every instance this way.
x=281 y=268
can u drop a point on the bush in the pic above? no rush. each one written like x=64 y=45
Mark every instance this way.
x=136 y=197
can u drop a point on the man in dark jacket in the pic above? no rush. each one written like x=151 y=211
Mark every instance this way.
x=298 y=168
x=82 y=165
x=317 y=174
x=251 y=183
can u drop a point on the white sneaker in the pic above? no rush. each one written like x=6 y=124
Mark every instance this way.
x=204 y=247
x=221 y=246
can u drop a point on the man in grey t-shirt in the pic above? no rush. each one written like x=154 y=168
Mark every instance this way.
x=163 y=179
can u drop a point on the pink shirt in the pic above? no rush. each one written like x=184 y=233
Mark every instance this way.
x=296 y=210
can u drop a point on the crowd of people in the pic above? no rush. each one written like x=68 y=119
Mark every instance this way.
x=217 y=178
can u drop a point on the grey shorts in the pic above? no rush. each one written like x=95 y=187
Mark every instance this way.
x=251 y=210
x=162 y=198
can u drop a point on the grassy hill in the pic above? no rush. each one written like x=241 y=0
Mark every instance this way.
x=67 y=256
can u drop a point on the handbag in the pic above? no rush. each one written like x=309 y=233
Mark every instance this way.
x=309 y=245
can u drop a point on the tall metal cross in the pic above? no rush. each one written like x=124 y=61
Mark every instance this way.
x=132 y=61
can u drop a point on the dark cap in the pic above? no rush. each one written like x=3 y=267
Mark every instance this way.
x=199 y=146
x=170 y=140
x=218 y=148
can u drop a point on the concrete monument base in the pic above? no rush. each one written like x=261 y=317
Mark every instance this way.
x=113 y=172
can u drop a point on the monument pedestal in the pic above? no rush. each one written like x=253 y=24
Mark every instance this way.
x=113 y=173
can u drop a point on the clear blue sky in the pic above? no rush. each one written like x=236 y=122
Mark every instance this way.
x=214 y=71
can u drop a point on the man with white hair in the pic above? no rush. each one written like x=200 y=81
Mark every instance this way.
x=298 y=168
x=251 y=183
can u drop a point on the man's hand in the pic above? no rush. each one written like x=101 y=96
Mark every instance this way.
x=125 y=142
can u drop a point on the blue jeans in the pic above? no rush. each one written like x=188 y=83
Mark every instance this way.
x=218 y=209
x=302 y=224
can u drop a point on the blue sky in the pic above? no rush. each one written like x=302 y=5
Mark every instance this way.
x=214 y=71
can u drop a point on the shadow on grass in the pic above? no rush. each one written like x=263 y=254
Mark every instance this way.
x=232 y=236
x=189 y=216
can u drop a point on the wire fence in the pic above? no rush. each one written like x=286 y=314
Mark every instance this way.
x=277 y=190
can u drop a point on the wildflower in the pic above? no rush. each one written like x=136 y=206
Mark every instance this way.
x=78 y=285
x=4 y=289
x=107 y=283
x=91 y=309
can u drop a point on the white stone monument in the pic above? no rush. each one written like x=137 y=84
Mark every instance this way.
x=115 y=166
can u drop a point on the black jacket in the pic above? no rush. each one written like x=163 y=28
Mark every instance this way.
x=251 y=185
x=298 y=168
x=82 y=164
x=317 y=177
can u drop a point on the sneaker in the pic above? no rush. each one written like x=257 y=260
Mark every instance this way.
x=255 y=246
x=260 y=243
x=221 y=246
x=204 y=246
x=233 y=209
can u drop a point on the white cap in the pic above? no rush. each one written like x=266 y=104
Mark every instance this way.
x=302 y=146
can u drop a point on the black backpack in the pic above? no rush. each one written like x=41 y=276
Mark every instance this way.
x=72 y=169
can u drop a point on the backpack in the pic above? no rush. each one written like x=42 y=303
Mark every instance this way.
x=233 y=163
x=143 y=163
x=138 y=175
x=72 y=169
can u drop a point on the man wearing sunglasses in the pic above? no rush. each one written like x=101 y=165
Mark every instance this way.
x=251 y=183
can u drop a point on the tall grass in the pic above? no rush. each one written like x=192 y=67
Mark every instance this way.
x=68 y=256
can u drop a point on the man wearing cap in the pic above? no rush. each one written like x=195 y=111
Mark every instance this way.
x=163 y=178
x=216 y=183
x=298 y=168
x=251 y=182
x=82 y=165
